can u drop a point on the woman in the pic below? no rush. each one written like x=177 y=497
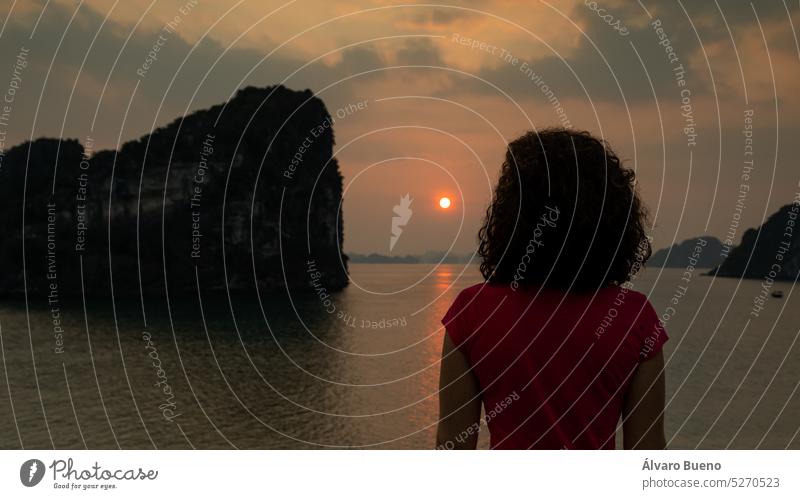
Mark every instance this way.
x=555 y=344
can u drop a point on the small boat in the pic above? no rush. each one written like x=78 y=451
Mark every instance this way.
x=777 y=294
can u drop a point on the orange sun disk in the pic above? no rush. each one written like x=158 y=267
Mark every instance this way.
x=444 y=202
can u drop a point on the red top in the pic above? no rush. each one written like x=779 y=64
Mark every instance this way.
x=553 y=367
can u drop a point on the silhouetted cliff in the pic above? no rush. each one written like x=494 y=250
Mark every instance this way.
x=241 y=193
x=771 y=251
x=700 y=252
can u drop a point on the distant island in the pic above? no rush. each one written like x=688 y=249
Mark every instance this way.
x=701 y=252
x=427 y=257
x=243 y=194
x=771 y=251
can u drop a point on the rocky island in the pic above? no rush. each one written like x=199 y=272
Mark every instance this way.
x=243 y=194
x=700 y=252
x=771 y=251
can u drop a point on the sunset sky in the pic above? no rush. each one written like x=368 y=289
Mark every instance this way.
x=430 y=94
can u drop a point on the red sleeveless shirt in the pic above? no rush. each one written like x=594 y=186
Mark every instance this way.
x=553 y=367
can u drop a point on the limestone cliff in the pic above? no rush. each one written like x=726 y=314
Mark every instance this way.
x=242 y=194
x=701 y=252
x=771 y=251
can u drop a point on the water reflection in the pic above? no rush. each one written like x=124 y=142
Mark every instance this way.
x=295 y=374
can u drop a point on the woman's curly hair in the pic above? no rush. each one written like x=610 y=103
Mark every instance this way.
x=565 y=214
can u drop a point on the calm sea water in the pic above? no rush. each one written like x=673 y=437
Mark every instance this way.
x=360 y=371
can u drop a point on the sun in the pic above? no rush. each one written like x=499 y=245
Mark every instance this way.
x=444 y=202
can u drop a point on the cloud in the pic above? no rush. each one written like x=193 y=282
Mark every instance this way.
x=436 y=19
x=606 y=66
x=187 y=76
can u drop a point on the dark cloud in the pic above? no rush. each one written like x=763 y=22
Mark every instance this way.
x=419 y=51
x=435 y=18
x=183 y=75
x=603 y=67
x=607 y=66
